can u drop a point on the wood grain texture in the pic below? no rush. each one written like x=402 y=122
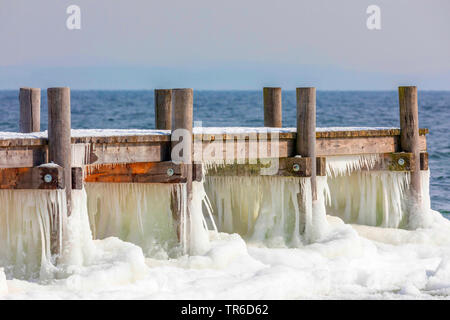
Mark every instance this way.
x=272 y=107
x=205 y=137
x=306 y=130
x=34 y=155
x=31 y=178
x=409 y=133
x=129 y=152
x=182 y=120
x=138 y=172
x=77 y=178
x=16 y=157
x=30 y=110
x=163 y=109
x=286 y=168
x=59 y=142
x=424 y=161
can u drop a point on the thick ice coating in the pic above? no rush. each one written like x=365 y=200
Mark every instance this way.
x=26 y=219
x=120 y=241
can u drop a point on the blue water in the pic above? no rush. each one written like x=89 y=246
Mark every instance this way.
x=134 y=109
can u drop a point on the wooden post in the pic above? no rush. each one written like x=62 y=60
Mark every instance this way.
x=163 y=109
x=409 y=134
x=182 y=118
x=306 y=130
x=272 y=107
x=30 y=110
x=59 y=140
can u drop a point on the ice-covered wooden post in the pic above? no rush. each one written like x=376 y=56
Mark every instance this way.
x=59 y=140
x=272 y=107
x=163 y=109
x=30 y=110
x=409 y=134
x=182 y=118
x=306 y=130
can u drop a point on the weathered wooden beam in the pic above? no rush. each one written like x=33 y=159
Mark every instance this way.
x=45 y=177
x=30 y=110
x=272 y=107
x=138 y=172
x=321 y=166
x=160 y=137
x=306 y=130
x=59 y=141
x=163 y=109
x=409 y=136
x=181 y=151
x=34 y=155
x=401 y=161
x=18 y=157
x=397 y=161
x=424 y=161
x=60 y=152
x=287 y=167
x=77 y=178
x=129 y=152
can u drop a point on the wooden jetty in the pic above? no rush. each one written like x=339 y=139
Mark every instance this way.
x=146 y=157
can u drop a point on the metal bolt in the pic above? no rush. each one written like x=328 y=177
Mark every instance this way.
x=48 y=178
x=401 y=161
x=296 y=167
x=170 y=172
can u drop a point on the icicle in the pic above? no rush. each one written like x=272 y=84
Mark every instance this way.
x=345 y=165
x=374 y=198
x=26 y=220
x=264 y=208
x=137 y=213
x=141 y=214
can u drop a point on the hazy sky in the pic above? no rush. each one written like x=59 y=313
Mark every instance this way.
x=142 y=44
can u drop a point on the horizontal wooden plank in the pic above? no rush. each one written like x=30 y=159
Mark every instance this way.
x=362 y=145
x=128 y=153
x=123 y=139
x=397 y=161
x=286 y=167
x=138 y=172
x=18 y=157
x=23 y=142
x=42 y=177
